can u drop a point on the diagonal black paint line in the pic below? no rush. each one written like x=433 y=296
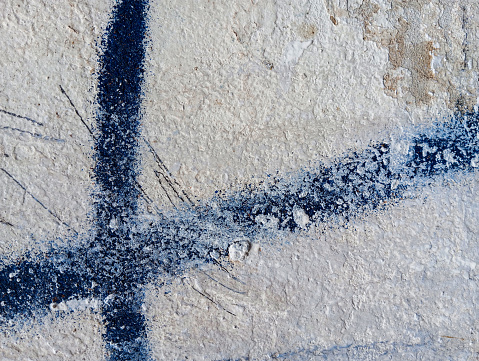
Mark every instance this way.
x=2 y=221
x=53 y=214
x=21 y=117
x=36 y=135
x=222 y=284
x=76 y=110
x=165 y=173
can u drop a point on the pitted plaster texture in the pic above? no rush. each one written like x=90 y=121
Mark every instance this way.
x=236 y=90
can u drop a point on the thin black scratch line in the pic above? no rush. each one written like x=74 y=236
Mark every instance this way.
x=76 y=110
x=35 y=135
x=163 y=187
x=146 y=197
x=163 y=167
x=228 y=272
x=6 y=222
x=215 y=280
x=159 y=161
x=21 y=117
x=38 y=201
x=211 y=300
x=168 y=181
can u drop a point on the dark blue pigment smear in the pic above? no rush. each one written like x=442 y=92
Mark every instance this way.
x=355 y=183
x=452 y=145
x=427 y=349
x=116 y=204
x=33 y=283
x=350 y=186
x=124 y=252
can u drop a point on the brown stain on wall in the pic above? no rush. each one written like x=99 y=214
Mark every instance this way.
x=306 y=31
x=419 y=56
x=413 y=36
x=414 y=57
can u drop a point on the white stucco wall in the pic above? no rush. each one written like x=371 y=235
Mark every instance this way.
x=236 y=90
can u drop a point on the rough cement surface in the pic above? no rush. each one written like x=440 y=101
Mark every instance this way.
x=236 y=90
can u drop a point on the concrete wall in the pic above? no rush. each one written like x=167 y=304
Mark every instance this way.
x=235 y=91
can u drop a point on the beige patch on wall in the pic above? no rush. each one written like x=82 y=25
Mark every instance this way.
x=431 y=47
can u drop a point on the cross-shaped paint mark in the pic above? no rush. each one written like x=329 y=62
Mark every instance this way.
x=123 y=254
x=106 y=258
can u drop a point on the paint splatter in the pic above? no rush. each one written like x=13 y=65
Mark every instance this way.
x=124 y=252
x=356 y=183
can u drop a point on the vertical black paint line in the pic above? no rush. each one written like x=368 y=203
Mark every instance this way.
x=116 y=144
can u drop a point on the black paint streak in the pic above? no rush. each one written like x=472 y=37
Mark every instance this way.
x=36 y=135
x=53 y=214
x=76 y=110
x=20 y=117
